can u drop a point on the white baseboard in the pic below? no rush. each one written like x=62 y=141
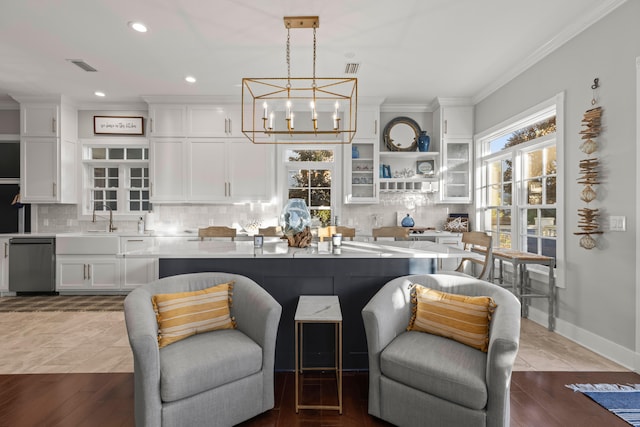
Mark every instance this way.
x=605 y=348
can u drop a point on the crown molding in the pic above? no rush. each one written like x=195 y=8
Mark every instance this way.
x=190 y=99
x=572 y=30
x=134 y=106
x=405 y=108
x=9 y=105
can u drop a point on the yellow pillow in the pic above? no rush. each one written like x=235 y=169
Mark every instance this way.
x=459 y=317
x=181 y=315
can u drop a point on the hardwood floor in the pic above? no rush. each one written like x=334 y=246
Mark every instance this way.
x=75 y=369
x=106 y=399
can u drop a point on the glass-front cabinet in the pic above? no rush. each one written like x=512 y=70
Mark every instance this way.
x=455 y=175
x=361 y=170
x=361 y=174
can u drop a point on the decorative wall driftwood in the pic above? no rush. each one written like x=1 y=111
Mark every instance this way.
x=589 y=169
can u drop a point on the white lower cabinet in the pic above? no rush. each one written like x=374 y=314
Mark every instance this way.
x=455 y=241
x=87 y=273
x=4 y=265
x=137 y=271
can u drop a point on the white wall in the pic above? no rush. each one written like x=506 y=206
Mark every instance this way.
x=599 y=299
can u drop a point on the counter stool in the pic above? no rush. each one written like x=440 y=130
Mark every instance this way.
x=521 y=284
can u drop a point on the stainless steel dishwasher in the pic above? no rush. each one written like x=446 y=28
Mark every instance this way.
x=32 y=264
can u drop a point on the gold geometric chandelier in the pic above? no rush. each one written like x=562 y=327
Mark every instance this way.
x=293 y=110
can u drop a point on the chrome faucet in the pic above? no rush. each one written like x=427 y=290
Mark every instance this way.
x=111 y=227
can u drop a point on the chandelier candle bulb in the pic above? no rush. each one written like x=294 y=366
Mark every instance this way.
x=291 y=121
x=288 y=110
x=271 y=117
x=265 y=115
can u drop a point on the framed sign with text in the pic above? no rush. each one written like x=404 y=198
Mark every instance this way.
x=118 y=125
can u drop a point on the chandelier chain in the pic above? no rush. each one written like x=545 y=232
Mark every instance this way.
x=314 y=58
x=288 y=57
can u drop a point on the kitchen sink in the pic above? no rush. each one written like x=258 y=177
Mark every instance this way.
x=98 y=243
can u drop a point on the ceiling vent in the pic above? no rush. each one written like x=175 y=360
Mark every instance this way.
x=351 y=68
x=80 y=63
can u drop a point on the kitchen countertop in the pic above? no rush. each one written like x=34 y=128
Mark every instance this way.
x=280 y=249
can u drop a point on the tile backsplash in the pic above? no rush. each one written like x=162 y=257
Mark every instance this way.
x=177 y=218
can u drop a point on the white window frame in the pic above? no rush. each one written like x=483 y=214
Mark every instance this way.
x=336 y=171
x=85 y=210
x=482 y=157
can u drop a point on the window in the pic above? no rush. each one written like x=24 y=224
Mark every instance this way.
x=518 y=181
x=310 y=175
x=116 y=178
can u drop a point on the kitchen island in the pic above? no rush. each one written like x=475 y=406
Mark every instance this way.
x=354 y=274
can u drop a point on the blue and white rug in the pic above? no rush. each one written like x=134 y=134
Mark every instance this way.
x=621 y=399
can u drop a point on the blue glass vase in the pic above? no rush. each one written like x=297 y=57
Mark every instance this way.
x=295 y=217
x=407 y=221
x=423 y=141
x=355 y=154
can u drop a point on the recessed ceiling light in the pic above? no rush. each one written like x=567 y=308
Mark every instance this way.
x=138 y=26
x=190 y=79
x=98 y=93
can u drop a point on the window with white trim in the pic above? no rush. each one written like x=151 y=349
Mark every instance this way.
x=518 y=178
x=116 y=178
x=310 y=175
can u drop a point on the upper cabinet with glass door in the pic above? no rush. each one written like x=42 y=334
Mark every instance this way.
x=361 y=176
x=453 y=131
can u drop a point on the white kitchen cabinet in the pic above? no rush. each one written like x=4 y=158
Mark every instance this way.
x=167 y=162
x=250 y=170
x=368 y=122
x=361 y=159
x=49 y=132
x=206 y=171
x=167 y=120
x=455 y=179
x=4 y=265
x=40 y=119
x=39 y=182
x=137 y=271
x=453 y=133
x=213 y=121
x=457 y=121
x=194 y=120
x=211 y=170
x=361 y=172
x=87 y=273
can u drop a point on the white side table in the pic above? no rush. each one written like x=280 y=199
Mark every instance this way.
x=318 y=309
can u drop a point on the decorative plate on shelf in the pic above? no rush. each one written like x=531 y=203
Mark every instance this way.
x=425 y=167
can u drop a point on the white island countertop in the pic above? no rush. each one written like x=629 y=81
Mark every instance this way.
x=280 y=249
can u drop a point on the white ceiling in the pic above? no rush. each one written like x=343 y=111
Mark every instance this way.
x=410 y=51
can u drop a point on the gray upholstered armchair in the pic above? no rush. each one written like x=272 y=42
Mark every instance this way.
x=218 y=378
x=419 y=379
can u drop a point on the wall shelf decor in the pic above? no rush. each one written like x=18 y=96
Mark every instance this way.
x=589 y=170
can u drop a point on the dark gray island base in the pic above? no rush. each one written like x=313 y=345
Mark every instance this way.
x=353 y=280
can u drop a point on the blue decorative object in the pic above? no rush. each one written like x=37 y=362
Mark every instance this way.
x=295 y=217
x=355 y=154
x=407 y=221
x=386 y=171
x=423 y=141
